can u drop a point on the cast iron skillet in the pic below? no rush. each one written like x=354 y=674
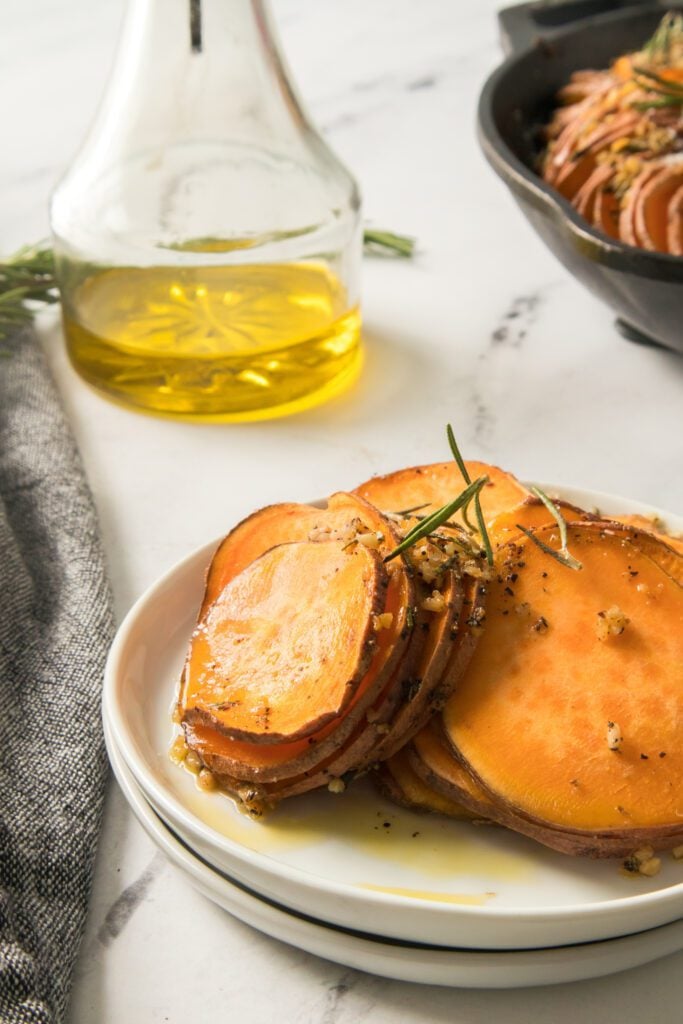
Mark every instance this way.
x=544 y=43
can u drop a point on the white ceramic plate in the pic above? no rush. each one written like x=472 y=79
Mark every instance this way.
x=417 y=878
x=462 y=968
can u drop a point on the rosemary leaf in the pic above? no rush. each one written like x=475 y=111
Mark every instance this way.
x=563 y=557
x=666 y=84
x=387 y=243
x=555 y=513
x=477 y=503
x=28 y=276
x=659 y=103
x=407 y=511
x=438 y=518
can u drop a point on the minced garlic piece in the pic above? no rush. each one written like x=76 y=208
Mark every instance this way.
x=350 y=531
x=614 y=736
x=650 y=867
x=370 y=540
x=643 y=862
x=383 y=621
x=178 y=750
x=435 y=603
x=336 y=785
x=193 y=762
x=677 y=852
x=612 y=622
x=206 y=780
x=319 y=533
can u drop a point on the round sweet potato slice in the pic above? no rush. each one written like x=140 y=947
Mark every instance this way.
x=628 y=220
x=397 y=779
x=654 y=527
x=344 y=515
x=585 y=198
x=284 y=523
x=435 y=763
x=674 y=229
x=563 y=655
x=288 y=642
x=606 y=211
x=652 y=207
x=430 y=487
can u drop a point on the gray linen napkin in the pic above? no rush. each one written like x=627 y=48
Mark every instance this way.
x=55 y=628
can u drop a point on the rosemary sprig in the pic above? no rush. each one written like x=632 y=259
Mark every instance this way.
x=27 y=277
x=669 y=31
x=387 y=243
x=477 y=503
x=438 y=518
x=408 y=511
x=664 y=84
x=658 y=104
x=563 y=556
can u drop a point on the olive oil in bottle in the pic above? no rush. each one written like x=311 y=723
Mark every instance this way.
x=212 y=342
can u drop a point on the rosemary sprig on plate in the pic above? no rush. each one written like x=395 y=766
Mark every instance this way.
x=431 y=523
x=477 y=503
x=563 y=555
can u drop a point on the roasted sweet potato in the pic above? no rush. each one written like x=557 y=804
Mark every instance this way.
x=653 y=204
x=614 y=144
x=434 y=762
x=397 y=779
x=344 y=516
x=432 y=486
x=674 y=231
x=563 y=655
x=287 y=644
x=653 y=526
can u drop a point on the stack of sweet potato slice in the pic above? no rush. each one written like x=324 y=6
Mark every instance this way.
x=540 y=689
x=615 y=145
x=567 y=725
x=314 y=657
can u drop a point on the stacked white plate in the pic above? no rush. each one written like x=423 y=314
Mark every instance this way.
x=357 y=880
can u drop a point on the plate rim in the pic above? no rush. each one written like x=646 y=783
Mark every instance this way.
x=209 y=880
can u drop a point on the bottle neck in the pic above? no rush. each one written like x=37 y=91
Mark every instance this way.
x=203 y=68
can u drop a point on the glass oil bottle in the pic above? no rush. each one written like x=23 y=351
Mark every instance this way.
x=208 y=241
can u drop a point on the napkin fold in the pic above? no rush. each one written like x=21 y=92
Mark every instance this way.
x=56 y=624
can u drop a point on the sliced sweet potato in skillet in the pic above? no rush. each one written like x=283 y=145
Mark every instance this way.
x=652 y=206
x=606 y=211
x=287 y=644
x=530 y=717
x=585 y=198
x=432 y=486
x=397 y=779
x=674 y=230
x=628 y=230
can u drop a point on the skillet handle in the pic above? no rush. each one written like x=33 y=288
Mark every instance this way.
x=524 y=24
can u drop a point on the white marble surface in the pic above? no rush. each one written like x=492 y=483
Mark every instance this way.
x=483 y=328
